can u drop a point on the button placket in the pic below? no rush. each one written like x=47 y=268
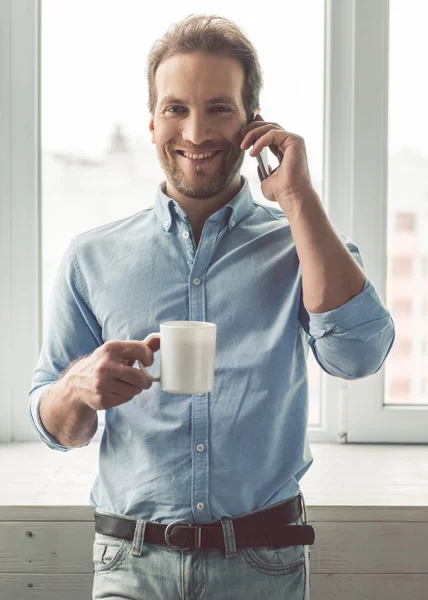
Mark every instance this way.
x=200 y=458
x=200 y=402
x=185 y=232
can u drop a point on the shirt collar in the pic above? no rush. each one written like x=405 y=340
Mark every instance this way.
x=167 y=209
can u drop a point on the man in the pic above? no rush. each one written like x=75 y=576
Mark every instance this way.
x=225 y=464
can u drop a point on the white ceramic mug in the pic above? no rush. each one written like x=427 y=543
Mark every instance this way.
x=187 y=355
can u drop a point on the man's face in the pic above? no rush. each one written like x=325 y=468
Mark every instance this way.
x=199 y=110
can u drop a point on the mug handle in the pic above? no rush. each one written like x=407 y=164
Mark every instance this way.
x=151 y=336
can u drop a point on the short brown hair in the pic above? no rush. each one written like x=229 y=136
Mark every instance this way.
x=213 y=35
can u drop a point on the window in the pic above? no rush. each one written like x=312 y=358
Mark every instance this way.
x=403 y=346
x=402 y=266
x=402 y=306
x=405 y=222
x=407 y=188
x=394 y=406
x=366 y=145
x=400 y=387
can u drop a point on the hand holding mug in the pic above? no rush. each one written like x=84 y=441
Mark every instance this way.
x=107 y=378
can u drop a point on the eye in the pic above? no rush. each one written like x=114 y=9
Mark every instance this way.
x=173 y=109
x=179 y=109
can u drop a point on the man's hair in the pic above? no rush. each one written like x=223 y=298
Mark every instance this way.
x=212 y=35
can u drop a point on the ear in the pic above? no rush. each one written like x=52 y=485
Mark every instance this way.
x=152 y=129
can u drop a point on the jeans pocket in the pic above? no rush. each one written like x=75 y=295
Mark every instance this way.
x=109 y=552
x=276 y=561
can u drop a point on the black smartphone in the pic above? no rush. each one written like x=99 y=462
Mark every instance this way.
x=262 y=159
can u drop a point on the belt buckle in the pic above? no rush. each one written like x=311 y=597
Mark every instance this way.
x=168 y=534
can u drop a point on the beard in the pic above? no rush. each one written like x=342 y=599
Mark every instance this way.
x=202 y=182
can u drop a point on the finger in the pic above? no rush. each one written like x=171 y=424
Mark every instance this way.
x=132 y=376
x=256 y=131
x=154 y=344
x=273 y=137
x=125 y=389
x=127 y=351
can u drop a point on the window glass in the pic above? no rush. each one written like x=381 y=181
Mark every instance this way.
x=407 y=281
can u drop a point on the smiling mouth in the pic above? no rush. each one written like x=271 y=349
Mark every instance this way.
x=200 y=157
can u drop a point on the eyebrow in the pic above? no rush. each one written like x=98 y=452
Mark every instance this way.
x=223 y=98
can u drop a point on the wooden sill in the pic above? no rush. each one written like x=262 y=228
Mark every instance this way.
x=350 y=482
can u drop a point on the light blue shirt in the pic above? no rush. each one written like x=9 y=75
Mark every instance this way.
x=243 y=446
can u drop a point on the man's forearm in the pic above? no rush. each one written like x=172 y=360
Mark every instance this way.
x=330 y=275
x=68 y=420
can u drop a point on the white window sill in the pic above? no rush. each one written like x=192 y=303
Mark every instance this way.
x=345 y=482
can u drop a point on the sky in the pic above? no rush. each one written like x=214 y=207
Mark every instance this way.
x=94 y=59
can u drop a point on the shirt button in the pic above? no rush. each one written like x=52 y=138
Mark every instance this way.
x=166 y=223
x=233 y=223
x=200 y=447
x=200 y=506
x=196 y=281
x=185 y=234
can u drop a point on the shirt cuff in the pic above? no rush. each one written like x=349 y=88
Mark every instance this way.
x=362 y=309
x=38 y=426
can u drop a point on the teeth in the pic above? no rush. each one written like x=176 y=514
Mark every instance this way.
x=198 y=156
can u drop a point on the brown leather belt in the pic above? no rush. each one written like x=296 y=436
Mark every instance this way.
x=264 y=528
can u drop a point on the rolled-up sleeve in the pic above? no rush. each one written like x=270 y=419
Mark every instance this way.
x=70 y=331
x=37 y=424
x=353 y=340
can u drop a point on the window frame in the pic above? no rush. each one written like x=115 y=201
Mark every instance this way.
x=368 y=419
x=355 y=196
x=20 y=228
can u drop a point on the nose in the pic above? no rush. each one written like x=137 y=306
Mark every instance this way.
x=196 y=129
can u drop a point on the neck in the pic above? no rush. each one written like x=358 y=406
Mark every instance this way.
x=199 y=210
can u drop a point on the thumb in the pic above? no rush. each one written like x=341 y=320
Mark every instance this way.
x=154 y=344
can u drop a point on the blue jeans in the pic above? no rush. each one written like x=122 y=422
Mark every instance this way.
x=137 y=571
